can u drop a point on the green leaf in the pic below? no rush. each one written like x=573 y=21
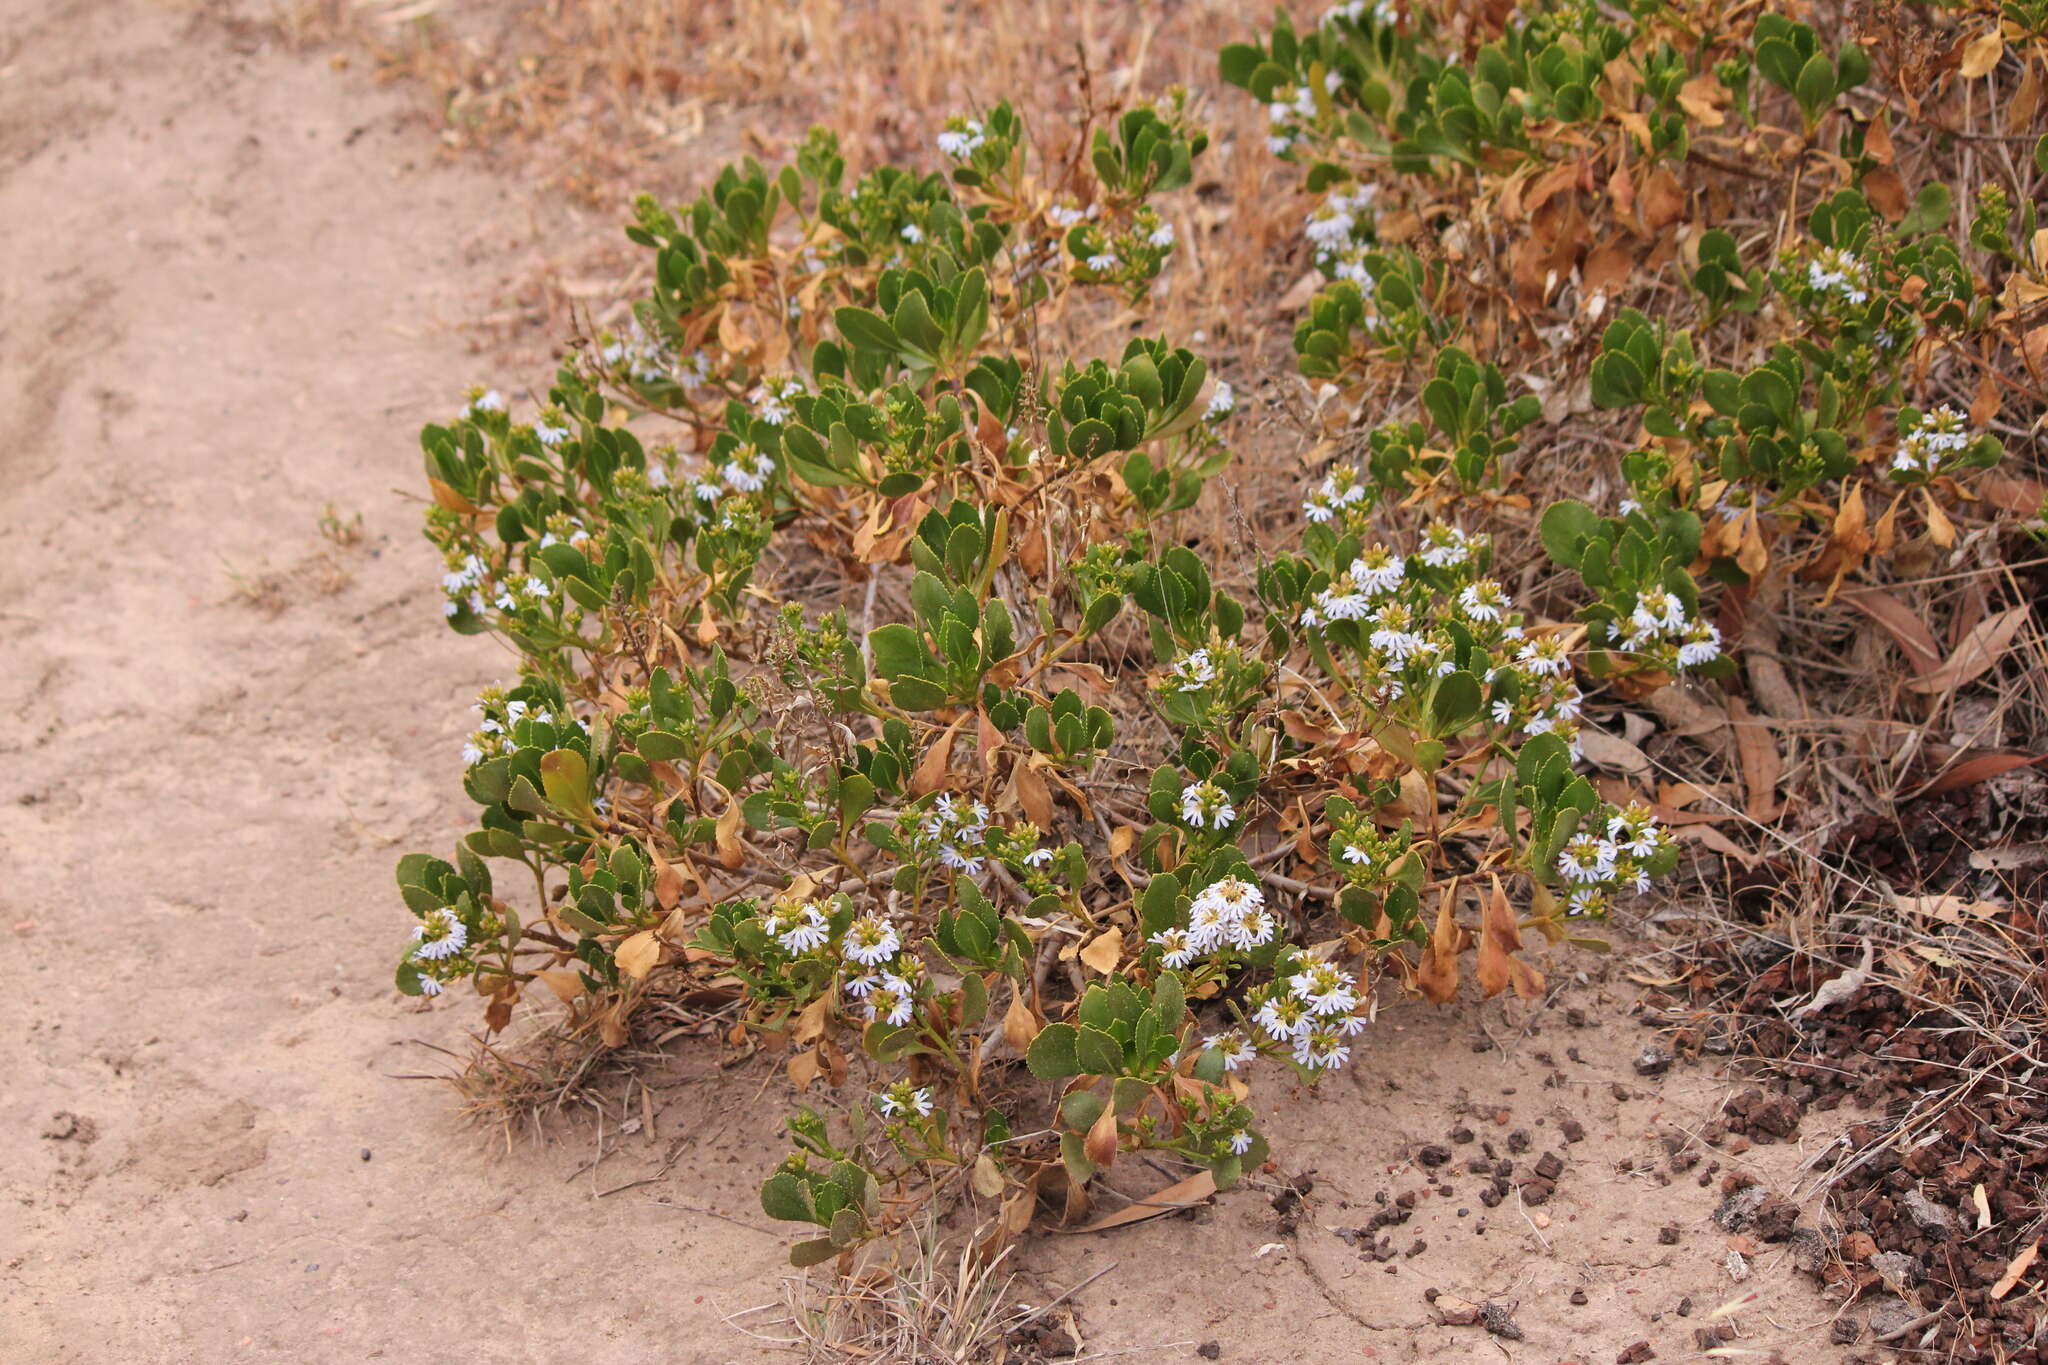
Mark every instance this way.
x=913 y=323
x=816 y=1251
x=565 y=777
x=1815 y=85
x=1097 y=1052
x=660 y=746
x=867 y=330
x=1089 y=438
x=1237 y=62
x=1081 y=1109
x=917 y=694
x=898 y=651
x=1054 y=1053
x=1617 y=380
x=786 y=1196
x=1565 y=528
x=1931 y=210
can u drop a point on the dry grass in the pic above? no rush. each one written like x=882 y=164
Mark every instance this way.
x=939 y=1304
x=598 y=99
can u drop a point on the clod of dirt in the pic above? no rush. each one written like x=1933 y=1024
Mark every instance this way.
x=1776 y=1218
x=1046 y=1339
x=1653 y=1060
x=1573 y=1130
x=1435 y=1154
x=1763 y=1116
x=65 y=1126
x=1891 y=1314
x=1209 y=1350
x=1494 y=1315
x=1809 y=1250
x=1900 y=1271
x=1933 y=1220
x=1550 y=1166
x=1638 y=1352
x=1738 y=1211
x=1844 y=1331
x=1667 y=1236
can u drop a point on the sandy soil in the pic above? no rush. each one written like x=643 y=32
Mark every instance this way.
x=235 y=284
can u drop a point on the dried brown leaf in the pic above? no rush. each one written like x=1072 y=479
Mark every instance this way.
x=1182 y=1194
x=1979 y=651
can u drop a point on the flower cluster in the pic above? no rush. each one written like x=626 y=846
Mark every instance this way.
x=1132 y=255
x=503 y=717
x=646 y=359
x=1930 y=443
x=1594 y=867
x=1383 y=12
x=1660 y=630
x=772 y=396
x=1839 y=272
x=904 y=1100
x=1290 y=110
x=954 y=833
x=962 y=137
x=1228 y=915
x=1341 y=232
x=1204 y=805
x=1222 y=403
x=464 y=583
x=1344 y=497
x=1310 y=1013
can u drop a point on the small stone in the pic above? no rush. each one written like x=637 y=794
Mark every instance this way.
x=1653 y=1060
x=1667 y=1236
x=1638 y=1352
x=1934 y=1221
x=1537 y=1191
x=1456 y=1312
x=1777 y=1116
x=1578 y=1298
x=1809 y=1251
x=1738 y=1210
x=1550 y=1166
x=1461 y=1135
x=1891 y=1314
x=1497 y=1320
x=366 y=1153
x=1433 y=1155
x=1844 y=1331
x=1775 y=1218
x=1684 y=1309
x=1209 y=1350
x=1900 y=1271
x=1518 y=1141
x=1417 y=1248
x=1573 y=1130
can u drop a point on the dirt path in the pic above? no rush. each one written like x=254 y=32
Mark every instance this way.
x=225 y=302
x=231 y=292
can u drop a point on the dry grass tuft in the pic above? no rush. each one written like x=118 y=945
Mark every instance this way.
x=938 y=1305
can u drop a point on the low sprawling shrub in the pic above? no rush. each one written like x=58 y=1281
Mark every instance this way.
x=877 y=686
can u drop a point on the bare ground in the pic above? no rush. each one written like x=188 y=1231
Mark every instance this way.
x=236 y=281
